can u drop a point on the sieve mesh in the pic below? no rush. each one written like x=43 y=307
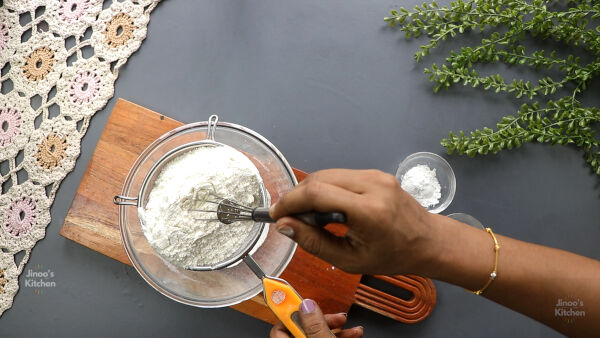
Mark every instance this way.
x=148 y=184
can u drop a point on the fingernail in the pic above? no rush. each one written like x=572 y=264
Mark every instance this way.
x=307 y=306
x=286 y=230
x=343 y=314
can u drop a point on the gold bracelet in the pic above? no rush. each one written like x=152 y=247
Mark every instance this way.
x=494 y=273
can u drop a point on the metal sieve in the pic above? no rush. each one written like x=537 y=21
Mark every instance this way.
x=148 y=184
x=279 y=295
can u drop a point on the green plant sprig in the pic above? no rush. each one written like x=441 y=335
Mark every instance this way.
x=563 y=121
x=445 y=77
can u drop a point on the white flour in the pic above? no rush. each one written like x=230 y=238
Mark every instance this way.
x=174 y=231
x=421 y=182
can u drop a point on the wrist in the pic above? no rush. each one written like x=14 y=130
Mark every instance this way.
x=430 y=247
x=460 y=254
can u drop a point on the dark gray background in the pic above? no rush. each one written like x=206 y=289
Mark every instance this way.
x=329 y=85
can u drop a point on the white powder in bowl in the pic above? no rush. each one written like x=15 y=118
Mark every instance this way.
x=190 y=238
x=421 y=182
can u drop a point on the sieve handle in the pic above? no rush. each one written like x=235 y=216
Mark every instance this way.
x=125 y=200
x=314 y=218
x=211 y=126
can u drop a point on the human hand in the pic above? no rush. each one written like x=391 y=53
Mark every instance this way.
x=317 y=325
x=389 y=231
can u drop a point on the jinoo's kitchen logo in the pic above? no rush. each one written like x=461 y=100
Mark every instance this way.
x=39 y=279
x=569 y=309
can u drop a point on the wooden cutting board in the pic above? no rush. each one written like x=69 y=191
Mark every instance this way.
x=92 y=221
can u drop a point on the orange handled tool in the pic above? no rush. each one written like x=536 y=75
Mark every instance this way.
x=284 y=301
x=281 y=298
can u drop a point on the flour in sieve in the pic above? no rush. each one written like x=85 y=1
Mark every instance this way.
x=174 y=231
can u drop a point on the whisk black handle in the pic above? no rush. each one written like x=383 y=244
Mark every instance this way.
x=314 y=218
x=321 y=219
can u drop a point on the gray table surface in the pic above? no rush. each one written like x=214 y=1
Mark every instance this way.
x=330 y=86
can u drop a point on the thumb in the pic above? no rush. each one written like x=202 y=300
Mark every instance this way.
x=313 y=321
x=315 y=240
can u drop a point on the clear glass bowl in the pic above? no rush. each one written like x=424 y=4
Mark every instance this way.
x=223 y=287
x=467 y=219
x=443 y=171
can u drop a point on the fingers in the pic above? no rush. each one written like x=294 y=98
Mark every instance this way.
x=355 y=332
x=335 y=320
x=317 y=196
x=315 y=240
x=312 y=320
x=356 y=181
x=279 y=331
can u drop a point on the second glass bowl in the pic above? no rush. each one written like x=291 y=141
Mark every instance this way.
x=443 y=171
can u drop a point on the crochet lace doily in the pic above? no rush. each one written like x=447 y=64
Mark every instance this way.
x=59 y=60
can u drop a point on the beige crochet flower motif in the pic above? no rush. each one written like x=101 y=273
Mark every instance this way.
x=38 y=64
x=3 y=280
x=119 y=30
x=51 y=151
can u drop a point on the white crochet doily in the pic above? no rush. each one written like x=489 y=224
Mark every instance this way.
x=59 y=61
